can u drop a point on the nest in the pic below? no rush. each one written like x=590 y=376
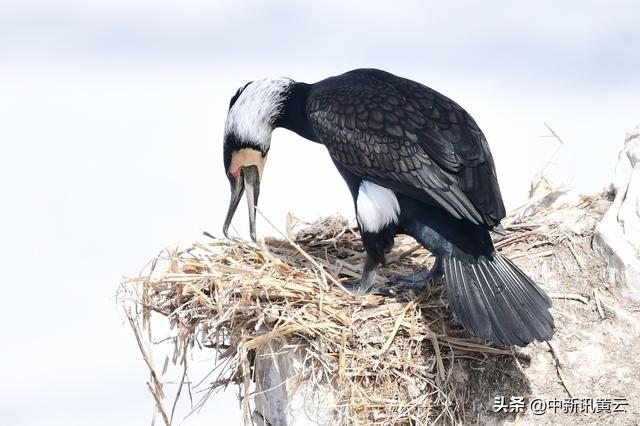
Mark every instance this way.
x=386 y=360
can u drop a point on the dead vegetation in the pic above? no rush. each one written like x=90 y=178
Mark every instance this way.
x=389 y=360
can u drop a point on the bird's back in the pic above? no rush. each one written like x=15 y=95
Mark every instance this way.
x=408 y=137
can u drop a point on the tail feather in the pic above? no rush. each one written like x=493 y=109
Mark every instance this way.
x=532 y=299
x=506 y=325
x=469 y=312
x=495 y=300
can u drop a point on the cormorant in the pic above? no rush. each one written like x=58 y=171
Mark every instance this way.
x=415 y=163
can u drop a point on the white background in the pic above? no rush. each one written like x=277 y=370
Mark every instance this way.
x=111 y=118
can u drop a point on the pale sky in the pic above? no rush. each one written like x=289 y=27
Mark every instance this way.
x=111 y=117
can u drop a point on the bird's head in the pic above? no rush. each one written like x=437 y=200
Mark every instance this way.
x=253 y=113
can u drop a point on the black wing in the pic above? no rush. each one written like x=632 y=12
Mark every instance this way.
x=407 y=137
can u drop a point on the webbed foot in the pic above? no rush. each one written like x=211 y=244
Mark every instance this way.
x=418 y=281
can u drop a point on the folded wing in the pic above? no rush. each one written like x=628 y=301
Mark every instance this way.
x=409 y=138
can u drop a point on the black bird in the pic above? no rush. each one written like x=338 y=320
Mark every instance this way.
x=415 y=163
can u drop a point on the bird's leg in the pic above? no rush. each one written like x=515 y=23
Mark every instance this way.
x=417 y=281
x=368 y=277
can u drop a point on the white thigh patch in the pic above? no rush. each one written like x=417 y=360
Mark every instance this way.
x=376 y=206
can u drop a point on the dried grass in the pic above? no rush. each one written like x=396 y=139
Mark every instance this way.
x=391 y=360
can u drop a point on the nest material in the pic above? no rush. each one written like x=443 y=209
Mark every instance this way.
x=389 y=360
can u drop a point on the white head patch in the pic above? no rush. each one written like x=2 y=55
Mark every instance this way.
x=252 y=115
x=376 y=206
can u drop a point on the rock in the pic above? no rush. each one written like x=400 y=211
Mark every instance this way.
x=617 y=236
x=549 y=195
x=561 y=204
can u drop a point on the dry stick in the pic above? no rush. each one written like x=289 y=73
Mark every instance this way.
x=396 y=327
x=596 y=296
x=290 y=223
x=341 y=359
x=514 y=238
x=436 y=350
x=156 y=382
x=553 y=134
x=556 y=358
x=544 y=253
x=158 y=405
x=406 y=253
x=557 y=137
x=573 y=252
x=304 y=254
x=570 y=296
x=184 y=376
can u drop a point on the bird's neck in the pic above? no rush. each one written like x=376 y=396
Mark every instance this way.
x=293 y=114
x=265 y=105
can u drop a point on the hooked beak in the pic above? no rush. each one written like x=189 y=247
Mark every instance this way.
x=249 y=180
